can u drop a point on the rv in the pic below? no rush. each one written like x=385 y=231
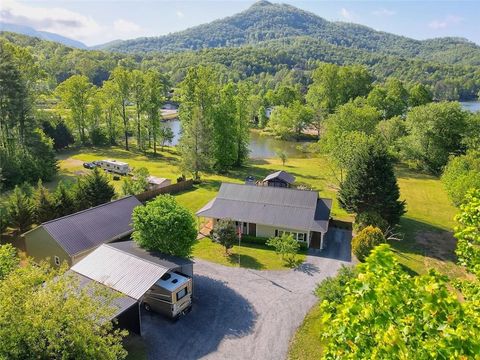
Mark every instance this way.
x=171 y=295
x=113 y=166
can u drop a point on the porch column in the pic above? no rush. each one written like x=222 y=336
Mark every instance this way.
x=321 y=241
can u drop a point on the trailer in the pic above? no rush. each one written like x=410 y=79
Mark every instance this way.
x=171 y=295
x=114 y=166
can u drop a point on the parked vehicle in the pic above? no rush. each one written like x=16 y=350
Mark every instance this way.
x=89 y=165
x=114 y=166
x=171 y=295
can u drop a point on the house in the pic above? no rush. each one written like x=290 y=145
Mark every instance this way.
x=157 y=183
x=279 y=179
x=267 y=211
x=72 y=237
x=131 y=272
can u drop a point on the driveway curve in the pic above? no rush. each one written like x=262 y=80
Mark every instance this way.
x=240 y=313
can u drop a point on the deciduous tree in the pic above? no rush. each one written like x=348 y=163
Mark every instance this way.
x=225 y=233
x=165 y=226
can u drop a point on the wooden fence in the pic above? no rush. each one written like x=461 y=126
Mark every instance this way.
x=169 y=189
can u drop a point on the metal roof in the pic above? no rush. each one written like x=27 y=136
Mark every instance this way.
x=170 y=262
x=119 y=270
x=120 y=302
x=90 y=228
x=156 y=180
x=282 y=175
x=287 y=208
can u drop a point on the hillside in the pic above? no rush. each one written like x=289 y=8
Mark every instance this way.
x=265 y=21
x=44 y=35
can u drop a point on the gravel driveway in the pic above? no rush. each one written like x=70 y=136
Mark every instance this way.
x=243 y=314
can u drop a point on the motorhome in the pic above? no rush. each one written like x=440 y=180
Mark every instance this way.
x=171 y=295
x=114 y=166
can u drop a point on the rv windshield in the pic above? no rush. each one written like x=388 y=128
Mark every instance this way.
x=181 y=294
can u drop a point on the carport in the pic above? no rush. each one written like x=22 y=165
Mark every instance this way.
x=129 y=271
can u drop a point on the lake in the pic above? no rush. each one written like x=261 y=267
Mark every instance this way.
x=472 y=106
x=260 y=146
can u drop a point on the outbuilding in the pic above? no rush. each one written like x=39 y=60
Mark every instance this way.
x=131 y=271
x=279 y=179
x=72 y=237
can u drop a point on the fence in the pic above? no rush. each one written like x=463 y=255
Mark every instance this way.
x=169 y=189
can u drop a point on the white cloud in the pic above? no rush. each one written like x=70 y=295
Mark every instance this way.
x=347 y=15
x=445 y=22
x=180 y=14
x=383 y=12
x=65 y=22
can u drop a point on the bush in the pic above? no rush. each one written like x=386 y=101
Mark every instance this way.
x=98 y=137
x=8 y=260
x=249 y=239
x=332 y=289
x=365 y=241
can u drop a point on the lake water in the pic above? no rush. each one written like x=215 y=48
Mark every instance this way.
x=260 y=146
x=472 y=106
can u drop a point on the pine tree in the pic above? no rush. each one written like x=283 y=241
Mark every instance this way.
x=94 y=189
x=20 y=209
x=64 y=201
x=371 y=185
x=44 y=204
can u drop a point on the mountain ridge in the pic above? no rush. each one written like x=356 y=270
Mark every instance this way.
x=265 y=21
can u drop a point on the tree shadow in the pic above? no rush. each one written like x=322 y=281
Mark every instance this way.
x=307 y=268
x=403 y=171
x=218 y=313
x=246 y=261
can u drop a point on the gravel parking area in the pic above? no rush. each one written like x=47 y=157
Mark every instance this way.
x=243 y=314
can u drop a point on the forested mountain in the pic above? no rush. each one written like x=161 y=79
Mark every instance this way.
x=27 y=30
x=255 y=62
x=265 y=21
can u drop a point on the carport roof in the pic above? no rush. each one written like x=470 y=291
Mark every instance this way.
x=120 y=301
x=121 y=271
x=273 y=206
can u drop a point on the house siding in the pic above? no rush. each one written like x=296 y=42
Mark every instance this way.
x=40 y=245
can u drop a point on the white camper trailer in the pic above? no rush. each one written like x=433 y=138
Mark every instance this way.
x=171 y=295
x=114 y=166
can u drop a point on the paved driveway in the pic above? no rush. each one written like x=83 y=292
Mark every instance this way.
x=243 y=314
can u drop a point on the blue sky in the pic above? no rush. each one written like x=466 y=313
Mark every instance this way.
x=95 y=22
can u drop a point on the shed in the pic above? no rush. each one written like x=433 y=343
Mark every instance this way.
x=279 y=179
x=72 y=237
x=157 y=183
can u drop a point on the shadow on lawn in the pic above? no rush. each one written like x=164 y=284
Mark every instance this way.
x=245 y=261
x=403 y=171
x=426 y=240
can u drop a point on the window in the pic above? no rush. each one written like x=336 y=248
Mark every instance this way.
x=182 y=293
x=297 y=236
x=57 y=260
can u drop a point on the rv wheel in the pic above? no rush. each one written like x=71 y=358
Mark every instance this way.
x=147 y=306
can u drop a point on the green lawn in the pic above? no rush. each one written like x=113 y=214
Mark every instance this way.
x=307 y=342
x=252 y=256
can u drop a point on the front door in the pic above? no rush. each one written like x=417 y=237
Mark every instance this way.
x=252 y=229
x=316 y=239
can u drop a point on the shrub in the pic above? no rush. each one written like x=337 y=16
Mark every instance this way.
x=332 y=289
x=249 y=239
x=8 y=259
x=365 y=241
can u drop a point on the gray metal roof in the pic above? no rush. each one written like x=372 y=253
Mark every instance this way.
x=90 y=228
x=167 y=261
x=286 y=208
x=119 y=270
x=282 y=175
x=120 y=301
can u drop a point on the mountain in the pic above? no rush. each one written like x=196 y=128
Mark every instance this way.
x=44 y=35
x=265 y=21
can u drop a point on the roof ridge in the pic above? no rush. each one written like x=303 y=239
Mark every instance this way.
x=89 y=209
x=269 y=204
x=276 y=188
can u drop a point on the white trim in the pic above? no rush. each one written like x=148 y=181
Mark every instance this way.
x=56 y=259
